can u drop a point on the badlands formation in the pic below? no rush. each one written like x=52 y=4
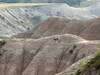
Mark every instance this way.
x=56 y=46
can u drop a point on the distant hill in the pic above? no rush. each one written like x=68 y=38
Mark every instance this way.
x=69 y=2
x=21 y=17
x=87 y=29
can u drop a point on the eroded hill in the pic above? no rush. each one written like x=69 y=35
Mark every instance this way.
x=45 y=56
x=87 y=29
x=19 y=17
x=54 y=47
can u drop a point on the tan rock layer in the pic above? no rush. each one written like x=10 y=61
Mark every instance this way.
x=87 y=29
x=44 y=56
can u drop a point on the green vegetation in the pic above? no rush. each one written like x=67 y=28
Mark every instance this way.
x=97 y=58
x=93 y=63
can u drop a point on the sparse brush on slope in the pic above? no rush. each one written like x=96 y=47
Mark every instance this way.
x=91 y=66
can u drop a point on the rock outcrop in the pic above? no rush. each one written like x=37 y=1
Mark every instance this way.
x=45 y=56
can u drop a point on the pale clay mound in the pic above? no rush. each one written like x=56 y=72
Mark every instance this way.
x=45 y=56
x=87 y=29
